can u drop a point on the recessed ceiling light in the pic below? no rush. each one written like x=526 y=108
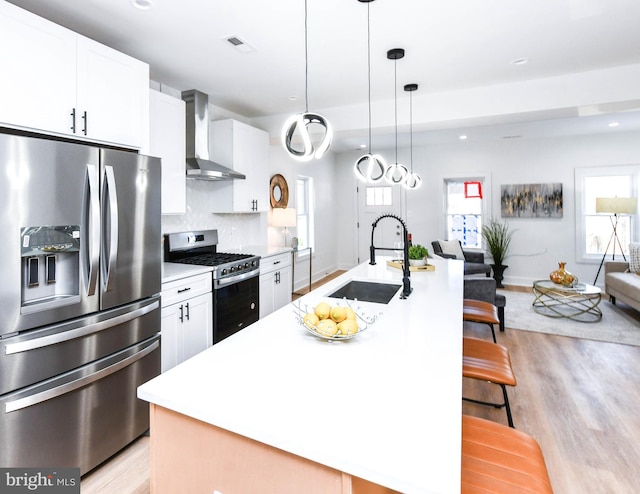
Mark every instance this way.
x=293 y=98
x=520 y=61
x=462 y=137
x=614 y=124
x=362 y=146
x=142 y=4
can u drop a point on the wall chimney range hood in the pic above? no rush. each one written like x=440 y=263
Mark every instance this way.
x=199 y=166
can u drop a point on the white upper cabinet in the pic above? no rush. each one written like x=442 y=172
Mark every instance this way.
x=167 y=141
x=59 y=82
x=244 y=149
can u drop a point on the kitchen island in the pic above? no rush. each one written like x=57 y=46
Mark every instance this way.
x=276 y=409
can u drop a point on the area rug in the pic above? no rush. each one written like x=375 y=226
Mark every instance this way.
x=619 y=324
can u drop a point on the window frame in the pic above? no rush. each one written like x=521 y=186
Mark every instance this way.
x=485 y=180
x=307 y=212
x=581 y=174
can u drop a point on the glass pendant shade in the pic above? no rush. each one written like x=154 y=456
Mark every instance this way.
x=299 y=124
x=413 y=181
x=370 y=168
x=396 y=174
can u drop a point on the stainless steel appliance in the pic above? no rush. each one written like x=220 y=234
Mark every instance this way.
x=235 y=279
x=80 y=257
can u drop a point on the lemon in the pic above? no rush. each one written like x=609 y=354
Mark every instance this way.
x=311 y=320
x=338 y=314
x=322 y=310
x=347 y=327
x=350 y=313
x=327 y=327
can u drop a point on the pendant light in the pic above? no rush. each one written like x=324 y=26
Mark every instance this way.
x=396 y=173
x=413 y=180
x=369 y=168
x=300 y=122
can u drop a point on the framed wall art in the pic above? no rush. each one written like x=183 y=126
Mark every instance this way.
x=531 y=201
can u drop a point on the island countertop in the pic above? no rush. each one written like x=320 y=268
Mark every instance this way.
x=384 y=406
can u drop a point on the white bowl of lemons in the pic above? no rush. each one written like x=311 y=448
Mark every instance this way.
x=332 y=321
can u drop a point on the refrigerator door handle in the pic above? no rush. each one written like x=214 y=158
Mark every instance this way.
x=63 y=336
x=27 y=401
x=93 y=230
x=112 y=238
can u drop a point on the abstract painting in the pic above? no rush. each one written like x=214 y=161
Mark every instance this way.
x=531 y=201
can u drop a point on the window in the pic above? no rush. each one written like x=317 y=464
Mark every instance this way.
x=304 y=211
x=594 y=230
x=464 y=211
x=379 y=196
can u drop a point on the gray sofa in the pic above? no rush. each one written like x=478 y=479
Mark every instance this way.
x=621 y=284
x=473 y=261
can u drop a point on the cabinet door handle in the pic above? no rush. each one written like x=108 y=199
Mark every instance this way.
x=277 y=277
x=276 y=262
x=84 y=117
x=181 y=313
x=187 y=316
x=73 y=120
x=182 y=290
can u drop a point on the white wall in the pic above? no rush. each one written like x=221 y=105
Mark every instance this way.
x=538 y=243
x=324 y=178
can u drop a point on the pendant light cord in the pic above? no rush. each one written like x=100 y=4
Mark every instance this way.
x=395 y=83
x=411 y=127
x=306 y=61
x=369 y=69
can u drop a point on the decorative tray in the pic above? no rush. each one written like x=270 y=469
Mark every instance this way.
x=398 y=264
x=341 y=320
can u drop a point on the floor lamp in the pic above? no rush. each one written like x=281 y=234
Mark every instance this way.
x=614 y=206
x=284 y=217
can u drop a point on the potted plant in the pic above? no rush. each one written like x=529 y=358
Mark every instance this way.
x=497 y=237
x=418 y=255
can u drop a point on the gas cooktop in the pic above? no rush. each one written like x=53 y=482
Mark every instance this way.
x=200 y=248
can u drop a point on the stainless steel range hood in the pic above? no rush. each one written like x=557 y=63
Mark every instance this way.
x=199 y=165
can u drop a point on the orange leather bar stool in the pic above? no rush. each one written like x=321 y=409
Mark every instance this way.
x=488 y=362
x=500 y=460
x=481 y=312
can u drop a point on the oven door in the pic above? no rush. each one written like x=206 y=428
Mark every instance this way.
x=235 y=304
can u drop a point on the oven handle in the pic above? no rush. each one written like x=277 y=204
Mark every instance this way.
x=232 y=280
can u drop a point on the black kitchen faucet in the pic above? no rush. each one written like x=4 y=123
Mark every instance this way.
x=406 y=273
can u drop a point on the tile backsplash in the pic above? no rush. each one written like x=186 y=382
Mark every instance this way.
x=234 y=230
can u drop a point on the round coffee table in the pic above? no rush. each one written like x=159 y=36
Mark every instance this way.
x=579 y=303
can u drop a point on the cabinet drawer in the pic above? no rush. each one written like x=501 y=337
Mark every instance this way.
x=177 y=291
x=273 y=263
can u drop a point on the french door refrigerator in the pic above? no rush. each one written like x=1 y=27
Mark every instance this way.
x=80 y=265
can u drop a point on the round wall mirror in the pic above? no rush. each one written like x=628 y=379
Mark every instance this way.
x=279 y=192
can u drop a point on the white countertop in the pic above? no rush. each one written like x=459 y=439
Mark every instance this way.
x=384 y=406
x=172 y=271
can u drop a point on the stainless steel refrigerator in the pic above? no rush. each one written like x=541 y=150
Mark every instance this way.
x=80 y=276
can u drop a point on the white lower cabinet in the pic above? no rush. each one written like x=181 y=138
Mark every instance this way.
x=275 y=282
x=187 y=319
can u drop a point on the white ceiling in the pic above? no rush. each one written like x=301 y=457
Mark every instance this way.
x=450 y=45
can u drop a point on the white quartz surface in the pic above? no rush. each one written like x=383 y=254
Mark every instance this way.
x=172 y=271
x=384 y=406
x=261 y=250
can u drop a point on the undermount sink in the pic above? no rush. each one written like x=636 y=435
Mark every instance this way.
x=367 y=291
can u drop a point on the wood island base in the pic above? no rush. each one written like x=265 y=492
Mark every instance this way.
x=188 y=455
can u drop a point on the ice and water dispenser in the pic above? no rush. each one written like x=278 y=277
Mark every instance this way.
x=50 y=266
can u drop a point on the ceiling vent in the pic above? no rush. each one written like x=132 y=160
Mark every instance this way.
x=239 y=44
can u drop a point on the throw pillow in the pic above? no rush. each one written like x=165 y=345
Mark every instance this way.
x=634 y=257
x=452 y=247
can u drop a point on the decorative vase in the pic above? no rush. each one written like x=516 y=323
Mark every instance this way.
x=563 y=277
x=498 y=274
x=417 y=262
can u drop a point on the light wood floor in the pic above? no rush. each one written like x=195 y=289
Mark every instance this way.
x=579 y=398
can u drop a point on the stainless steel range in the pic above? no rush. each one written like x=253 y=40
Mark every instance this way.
x=236 y=295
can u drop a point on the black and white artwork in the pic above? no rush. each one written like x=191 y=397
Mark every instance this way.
x=531 y=201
